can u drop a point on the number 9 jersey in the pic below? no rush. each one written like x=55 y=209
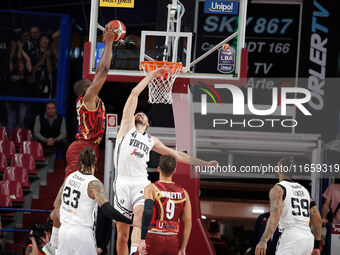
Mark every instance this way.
x=296 y=206
x=77 y=208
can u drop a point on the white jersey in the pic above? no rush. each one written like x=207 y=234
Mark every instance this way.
x=132 y=152
x=77 y=207
x=296 y=206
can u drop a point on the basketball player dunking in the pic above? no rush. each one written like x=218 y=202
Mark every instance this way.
x=76 y=204
x=294 y=210
x=91 y=122
x=166 y=204
x=132 y=150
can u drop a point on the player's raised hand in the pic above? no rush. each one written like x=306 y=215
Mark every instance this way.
x=160 y=72
x=108 y=35
x=142 y=247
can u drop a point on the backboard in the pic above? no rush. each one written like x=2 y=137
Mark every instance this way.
x=202 y=63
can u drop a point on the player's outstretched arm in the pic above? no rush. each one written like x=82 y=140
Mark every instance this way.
x=180 y=156
x=96 y=191
x=187 y=221
x=315 y=221
x=57 y=201
x=101 y=70
x=276 y=206
x=128 y=118
x=147 y=216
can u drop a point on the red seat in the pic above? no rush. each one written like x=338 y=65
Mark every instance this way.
x=13 y=189
x=18 y=135
x=3 y=134
x=19 y=174
x=3 y=162
x=34 y=148
x=5 y=201
x=8 y=148
x=26 y=161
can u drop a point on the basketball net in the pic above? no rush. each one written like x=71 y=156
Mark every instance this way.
x=160 y=88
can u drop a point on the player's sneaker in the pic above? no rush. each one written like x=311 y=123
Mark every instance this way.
x=49 y=249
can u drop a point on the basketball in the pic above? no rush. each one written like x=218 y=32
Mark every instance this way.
x=226 y=46
x=119 y=29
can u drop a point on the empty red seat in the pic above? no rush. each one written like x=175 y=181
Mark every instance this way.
x=18 y=135
x=5 y=201
x=8 y=148
x=13 y=189
x=3 y=162
x=26 y=161
x=19 y=174
x=3 y=134
x=34 y=148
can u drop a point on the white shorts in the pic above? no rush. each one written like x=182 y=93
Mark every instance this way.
x=295 y=242
x=76 y=240
x=128 y=193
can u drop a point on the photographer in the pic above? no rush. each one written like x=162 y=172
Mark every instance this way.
x=36 y=239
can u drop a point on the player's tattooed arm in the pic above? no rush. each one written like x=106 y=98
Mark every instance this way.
x=276 y=206
x=96 y=191
x=315 y=219
x=57 y=201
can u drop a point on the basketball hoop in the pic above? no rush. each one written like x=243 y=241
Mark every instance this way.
x=160 y=88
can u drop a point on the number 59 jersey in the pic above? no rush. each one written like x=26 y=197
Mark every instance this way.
x=77 y=208
x=296 y=206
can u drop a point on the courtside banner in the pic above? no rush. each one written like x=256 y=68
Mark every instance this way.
x=318 y=64
x=220 y=7
x=117 y=3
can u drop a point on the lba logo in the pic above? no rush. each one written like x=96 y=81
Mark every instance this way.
x=290 y=96
x=221 y=7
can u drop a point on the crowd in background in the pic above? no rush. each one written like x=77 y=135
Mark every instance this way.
x=32 y=72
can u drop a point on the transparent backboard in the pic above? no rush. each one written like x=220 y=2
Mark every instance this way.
x=211 y=49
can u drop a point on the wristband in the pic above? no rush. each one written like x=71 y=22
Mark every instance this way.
x=317 y=244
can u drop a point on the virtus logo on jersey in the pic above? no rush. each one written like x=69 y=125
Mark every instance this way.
x=302 y=96
x=221 y=7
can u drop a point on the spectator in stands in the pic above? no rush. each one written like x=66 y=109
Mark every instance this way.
x=42 y=69
x=331 y=209
x=220 y=246
x=103 y=232
x=20 y=68
x=36 y=239
x=32 y=44
x=259 y=228
x=50 y=128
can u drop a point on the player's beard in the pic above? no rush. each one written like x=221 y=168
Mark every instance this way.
x=139 y=122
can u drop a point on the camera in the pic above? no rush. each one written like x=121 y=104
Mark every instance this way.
x=38 y=231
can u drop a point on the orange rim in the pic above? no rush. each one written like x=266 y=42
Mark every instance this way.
x=153 y=65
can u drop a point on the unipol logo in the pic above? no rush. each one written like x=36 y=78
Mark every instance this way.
x=239 y=105
x=221 y=7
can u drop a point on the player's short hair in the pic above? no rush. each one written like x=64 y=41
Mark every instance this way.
x=167 y=165
x=79 y=86
x=87 y=158
x=288 y=165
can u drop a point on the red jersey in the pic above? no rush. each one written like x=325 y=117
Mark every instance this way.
x=168 y=207
x=91 y=123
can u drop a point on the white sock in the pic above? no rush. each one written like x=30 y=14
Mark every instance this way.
x=133 y=248
x=54 y=237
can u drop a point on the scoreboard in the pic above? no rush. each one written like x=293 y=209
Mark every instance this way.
x=272 y=38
